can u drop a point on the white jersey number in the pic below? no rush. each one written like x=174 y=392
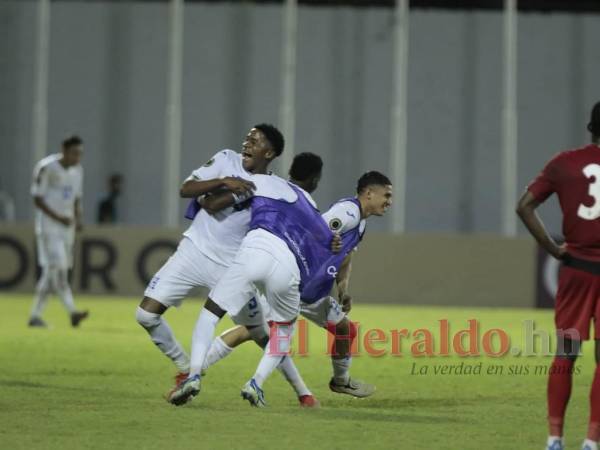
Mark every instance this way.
x=591 y=212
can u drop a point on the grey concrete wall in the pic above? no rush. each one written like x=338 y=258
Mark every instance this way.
x=108 y=83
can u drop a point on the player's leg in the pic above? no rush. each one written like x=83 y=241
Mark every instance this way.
x=44 y=284
x=573 y=313
x=593 y=434
x=328 y=314
x=233 y=290
x=169 y=286
x=42 y=291
x=62 y=253
x=281 y=284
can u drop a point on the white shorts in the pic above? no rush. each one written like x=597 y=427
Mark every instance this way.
x=186 y=269
x=322 y=312
x=254 y=313
x=265 y=261
x=55 y=250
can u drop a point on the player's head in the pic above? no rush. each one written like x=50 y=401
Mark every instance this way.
x=262 y=145
x=374 y=191
x=594 y=125
x=72 y=148
x=306 y=171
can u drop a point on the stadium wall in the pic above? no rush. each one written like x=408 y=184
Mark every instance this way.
x=108 y=82
x=411 y=269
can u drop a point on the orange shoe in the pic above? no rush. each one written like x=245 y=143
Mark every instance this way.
x=308 y=401
x=179 y=378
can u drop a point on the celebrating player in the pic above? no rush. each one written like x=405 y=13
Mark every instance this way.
x=57 y=189
x=575 y=177
x=287 y=245
x=347 y=217
x=209 y=246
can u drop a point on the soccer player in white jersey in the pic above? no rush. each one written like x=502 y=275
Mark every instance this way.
x=286 y=228
x=57 y=190
x=210 y=244
x=374 y=197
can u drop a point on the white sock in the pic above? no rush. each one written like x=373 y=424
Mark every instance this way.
x=590 y=444
x=62 y=288
x=218 y=350
x=42 y=291
x=341 y=368
x=551 y=440
x=271 y=360
x=291 y=374
x=202 y=339
x=161 y=334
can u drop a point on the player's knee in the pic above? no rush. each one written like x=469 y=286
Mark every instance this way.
x=346 y=328
x=147 y=319
x=569 y=349
x=260 y=335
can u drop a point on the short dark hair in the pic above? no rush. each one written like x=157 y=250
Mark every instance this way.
x=372 y=178
x=306 y=165
x=594 y=125
x=273 y=135
x=71 y=141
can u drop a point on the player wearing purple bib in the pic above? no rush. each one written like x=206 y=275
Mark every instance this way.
x=288 y=243
x=347 y=217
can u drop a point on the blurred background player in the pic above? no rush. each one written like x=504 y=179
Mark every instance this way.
x=575 y=177
x=348 y=218
x=107 y=207
x=57 y=189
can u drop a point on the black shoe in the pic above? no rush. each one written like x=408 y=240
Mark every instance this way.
x=77 y=317
x=37 y=322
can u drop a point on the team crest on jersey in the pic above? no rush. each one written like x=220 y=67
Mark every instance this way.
x=335 y=224
x=210 y=162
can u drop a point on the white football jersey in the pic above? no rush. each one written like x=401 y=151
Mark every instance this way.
x=59 y=187
x=219 y=236
x=344 y=216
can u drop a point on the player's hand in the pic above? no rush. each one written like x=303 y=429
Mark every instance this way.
x=239 y=186
x=561 y=252
x=336 y=243
x=346 y=302
x=66 y=221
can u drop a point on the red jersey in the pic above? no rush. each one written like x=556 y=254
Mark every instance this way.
x=575 y=177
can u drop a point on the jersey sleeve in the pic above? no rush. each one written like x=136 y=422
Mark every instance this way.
x=544 y=185
x=216 y=167
x=342 y=216
x=39 y=185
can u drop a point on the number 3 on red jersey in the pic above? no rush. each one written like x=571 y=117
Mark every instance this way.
x=591 y=212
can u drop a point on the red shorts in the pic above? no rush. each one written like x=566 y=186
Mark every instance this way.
x=577 y=303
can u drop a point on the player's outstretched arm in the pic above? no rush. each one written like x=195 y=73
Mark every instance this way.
x=526 y=212
x=41 y=204
x=195 y=188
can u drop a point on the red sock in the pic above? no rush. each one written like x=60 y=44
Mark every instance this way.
x=594 y=427
x=559 y=391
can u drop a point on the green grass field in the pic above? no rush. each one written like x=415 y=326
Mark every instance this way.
x=102 y=386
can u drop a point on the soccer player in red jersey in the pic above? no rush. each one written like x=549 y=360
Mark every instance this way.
x=574 y=176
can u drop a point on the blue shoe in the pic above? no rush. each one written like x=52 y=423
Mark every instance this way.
x=185 y=391
x=556 y=444
x=254 y=394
